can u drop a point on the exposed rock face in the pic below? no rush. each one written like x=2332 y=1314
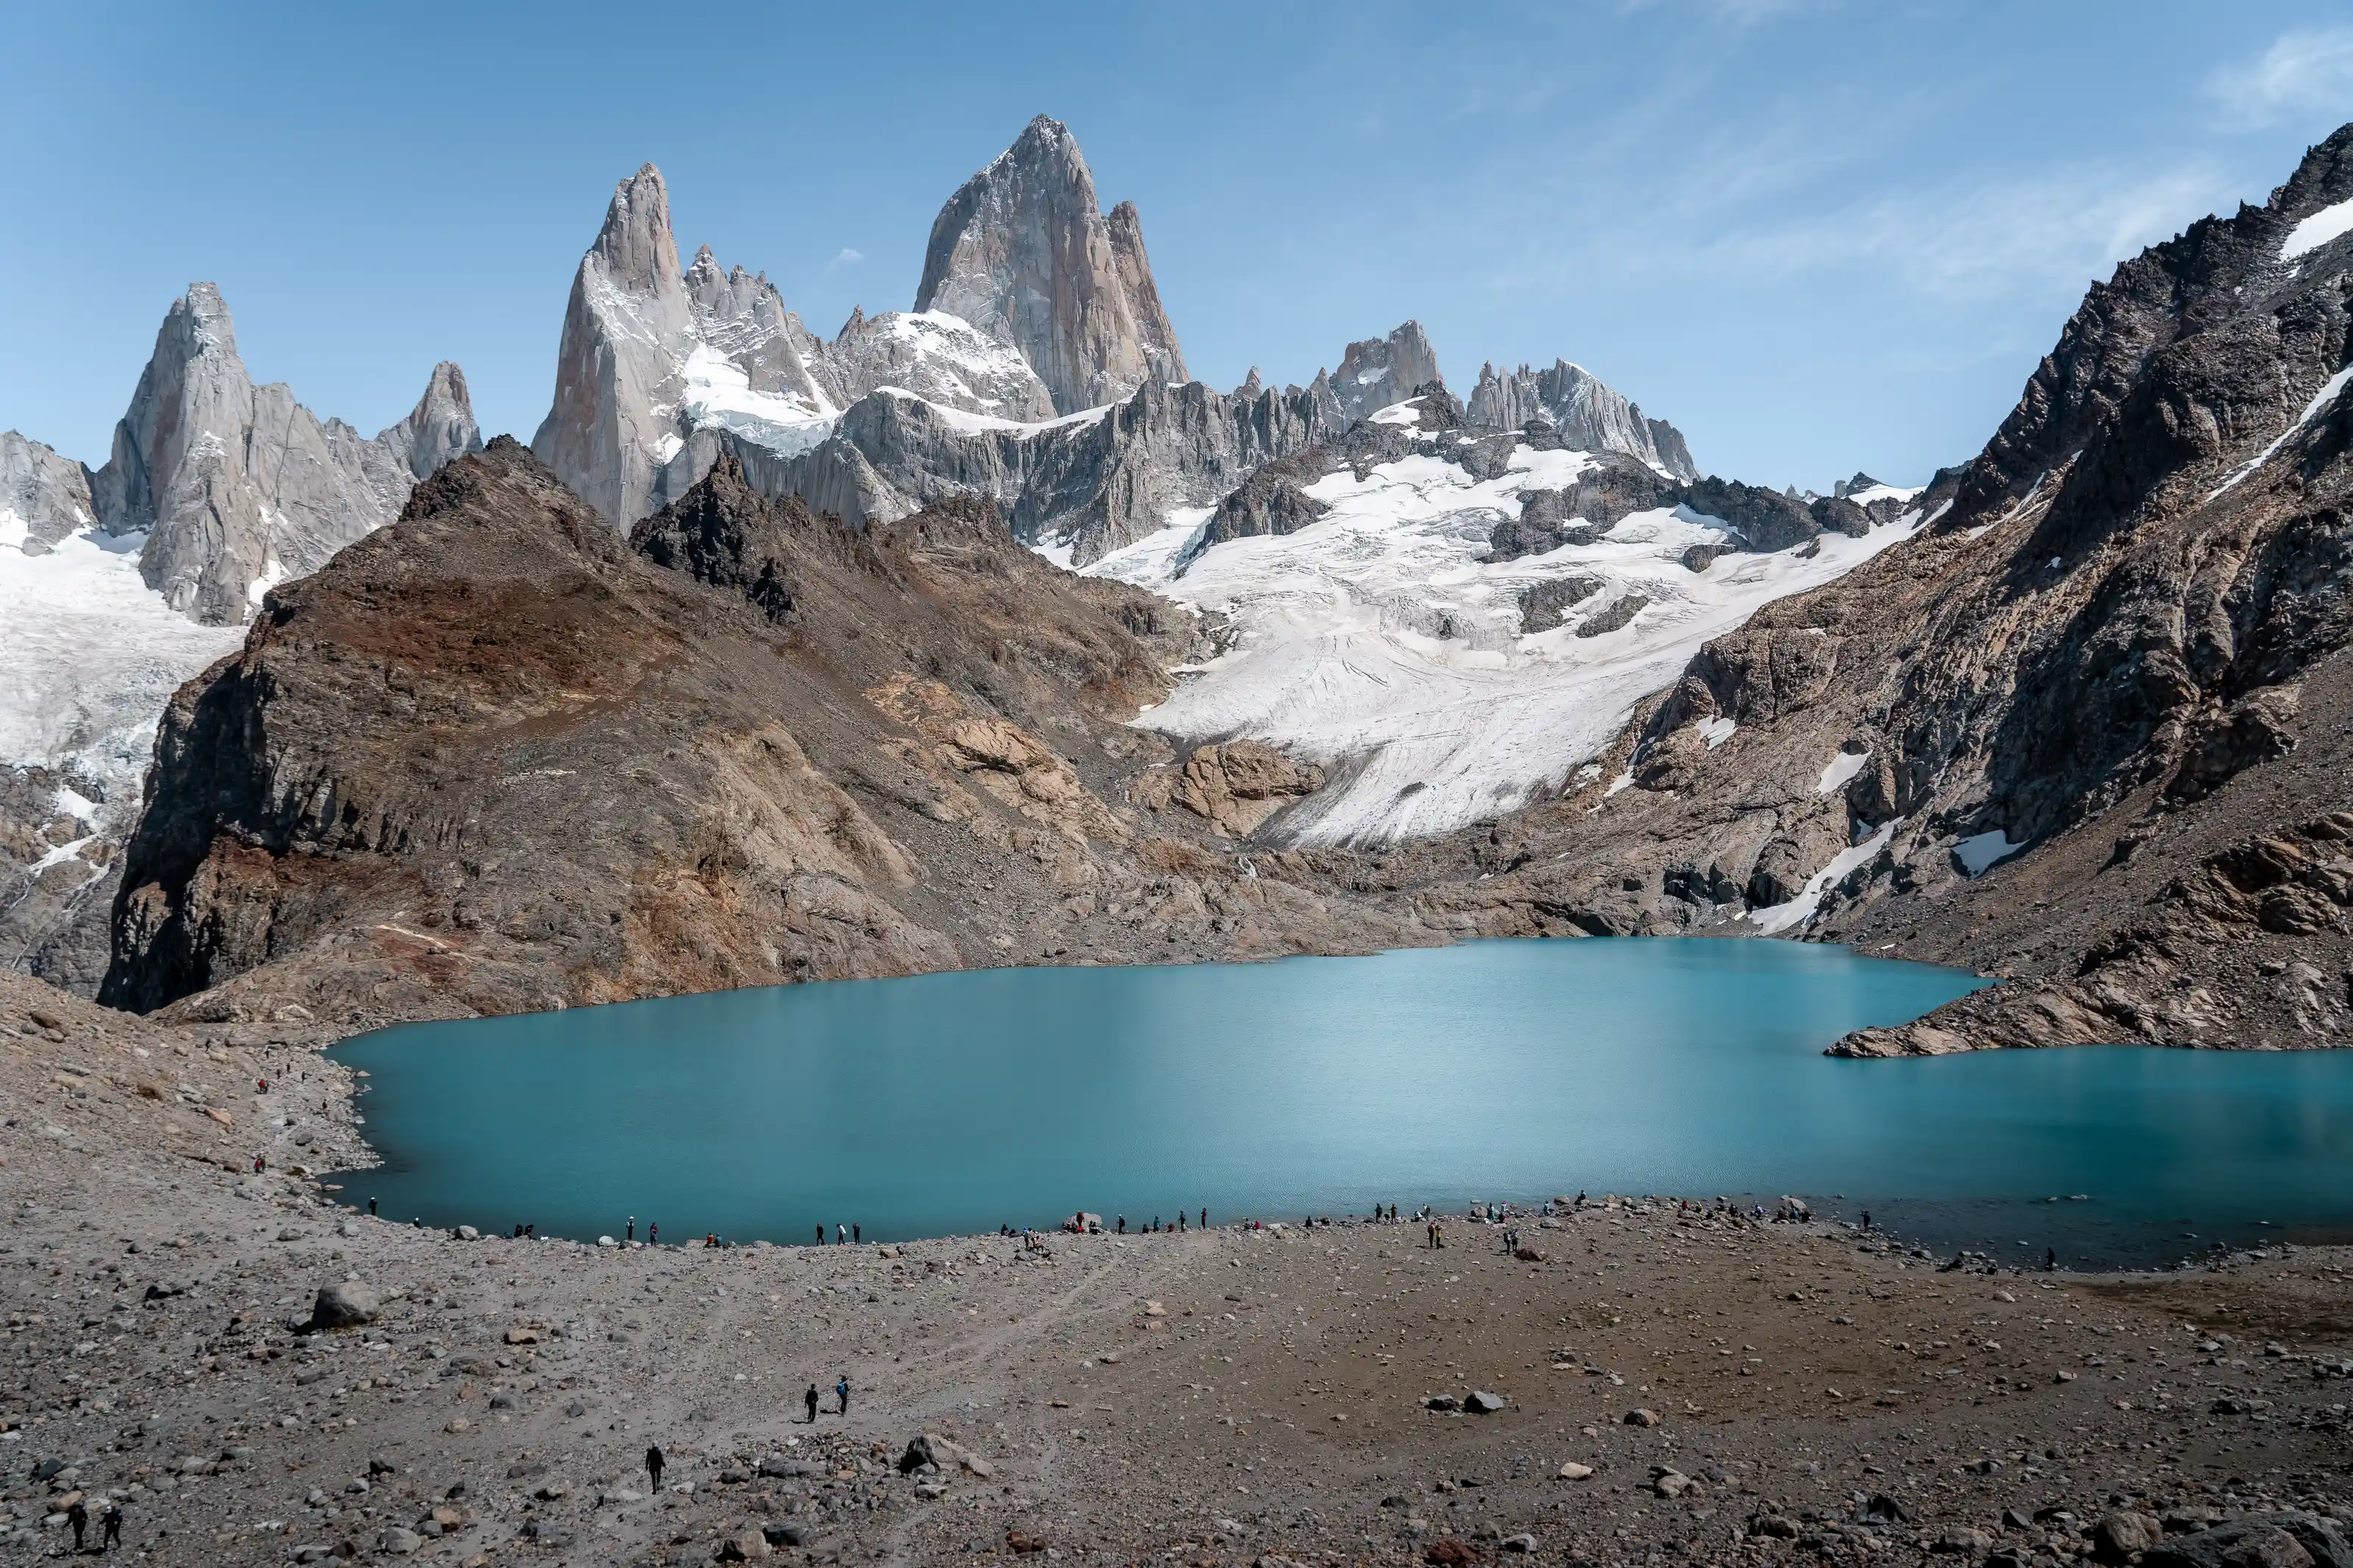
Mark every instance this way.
x=1237 y=785
x=1022 y=253
x=1617 y=486
x=1271 y=501
x=43 y=497
x=58 y=869
x=2089 y=734
x=494 y=757
x=1544 y=605
x=1378 y=372
x=1094 y=484
x=238 y=487
x=1614 y=488
x=619 y=373
x=1586 y=412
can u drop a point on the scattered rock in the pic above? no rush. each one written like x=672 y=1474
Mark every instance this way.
x=1573 y=1472
x=1479 y=1402
x=1642 y=1418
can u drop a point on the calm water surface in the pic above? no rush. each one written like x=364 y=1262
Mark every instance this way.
x=954 y=1103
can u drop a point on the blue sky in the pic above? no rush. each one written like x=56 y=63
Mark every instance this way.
x=1818 y=236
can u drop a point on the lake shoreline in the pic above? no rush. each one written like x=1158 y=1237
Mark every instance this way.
x=1243 y=1396
x=952 y=1104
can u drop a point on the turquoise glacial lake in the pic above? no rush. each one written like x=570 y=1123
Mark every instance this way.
x=1514 y=1070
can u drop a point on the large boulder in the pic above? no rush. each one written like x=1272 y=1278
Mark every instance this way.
x=2284 y=1539
x=346 y=1304
x=931 y=1448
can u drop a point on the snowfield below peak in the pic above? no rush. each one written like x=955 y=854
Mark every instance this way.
x=89 y=656
x=1377 y=642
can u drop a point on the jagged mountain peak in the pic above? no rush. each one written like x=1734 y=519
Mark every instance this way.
x=1022 y=252
x=1377 y=372
x=1584 y=409
x=239 y=486
x=636 y=245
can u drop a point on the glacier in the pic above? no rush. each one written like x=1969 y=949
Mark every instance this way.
x=1379 y=643
x=89 y=656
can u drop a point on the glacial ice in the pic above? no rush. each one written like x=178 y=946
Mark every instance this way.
x=89 y=656
x=1376 y=643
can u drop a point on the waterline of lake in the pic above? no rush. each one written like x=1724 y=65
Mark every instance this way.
x=954 y=1103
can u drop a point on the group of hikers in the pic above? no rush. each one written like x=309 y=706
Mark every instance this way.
x=109 y=1519
x=655 y=1462
x=1789 y=1210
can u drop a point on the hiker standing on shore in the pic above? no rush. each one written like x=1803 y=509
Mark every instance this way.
x=820 y=1232
x=840 y=1236
x=654 y=1464
x=841 y=1392
x=629 y=1231
x=810 y=1399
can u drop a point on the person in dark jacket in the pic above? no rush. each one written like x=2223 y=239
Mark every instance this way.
x=654 y=1464
x=810 y=1400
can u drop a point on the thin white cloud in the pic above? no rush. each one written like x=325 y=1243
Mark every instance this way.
x=1983 y=242
x=2306 y=71
x=843 y=258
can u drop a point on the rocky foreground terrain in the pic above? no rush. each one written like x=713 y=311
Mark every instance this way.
x=1645 y=1382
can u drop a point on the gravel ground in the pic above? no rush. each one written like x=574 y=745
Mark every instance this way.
x=1738 y=1392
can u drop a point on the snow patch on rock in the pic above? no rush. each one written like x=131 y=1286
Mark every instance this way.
x=1778 y=918
x=1840 y=769
x=2317 y=230
x=2312 y=410
x=1979 y=851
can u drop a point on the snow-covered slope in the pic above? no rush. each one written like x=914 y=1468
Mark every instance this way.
x=1378 y=643
x=89 y=656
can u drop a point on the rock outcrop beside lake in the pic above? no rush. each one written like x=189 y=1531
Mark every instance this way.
x=495 y=757
x=2088 y=732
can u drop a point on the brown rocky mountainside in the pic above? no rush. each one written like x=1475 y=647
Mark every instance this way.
x=494 y=758
x=2119 y=642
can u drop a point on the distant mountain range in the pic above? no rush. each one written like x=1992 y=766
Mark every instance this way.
x=1038 y=369
x=1417 y=667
